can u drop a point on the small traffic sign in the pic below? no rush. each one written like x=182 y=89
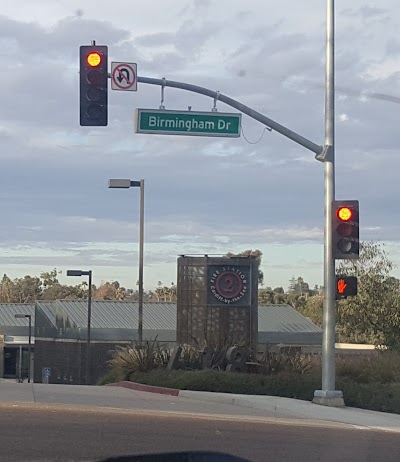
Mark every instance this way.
x=124 y=76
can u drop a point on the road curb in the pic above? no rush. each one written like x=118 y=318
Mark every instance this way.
x=284 y=407
x=148 y=388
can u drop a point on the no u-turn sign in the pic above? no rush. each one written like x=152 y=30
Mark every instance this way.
x=124 y=76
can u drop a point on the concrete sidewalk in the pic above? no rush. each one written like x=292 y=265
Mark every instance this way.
x=285 y=407
x=299 y=409
x=11 y=391
x=132 y=396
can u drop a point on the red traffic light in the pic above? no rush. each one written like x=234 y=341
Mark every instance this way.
x=93 y=59
x=344 y=213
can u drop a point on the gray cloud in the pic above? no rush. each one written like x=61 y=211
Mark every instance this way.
x=366 y=12
x=155 y=40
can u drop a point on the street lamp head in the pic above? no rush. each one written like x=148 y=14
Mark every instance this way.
x=78 y=273
x=119 y=183
x=20 y=316
x=74 y=272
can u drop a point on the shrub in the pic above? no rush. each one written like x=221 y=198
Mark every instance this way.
x=289 y=385
x=140 y=357
x=110 y=377
x=368 y=382
x=218 y=346
x=290 y=361
x=381 y=367
x=373 y=396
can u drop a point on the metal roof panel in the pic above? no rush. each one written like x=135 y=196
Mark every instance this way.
x=9 y=310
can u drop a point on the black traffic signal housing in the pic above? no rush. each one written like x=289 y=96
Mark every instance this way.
x=346 y=286
x=93 y=77
x=345 y=230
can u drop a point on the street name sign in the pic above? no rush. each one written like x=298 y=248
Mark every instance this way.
x=165 y=122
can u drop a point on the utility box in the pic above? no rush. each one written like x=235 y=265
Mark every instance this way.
x=217 y=300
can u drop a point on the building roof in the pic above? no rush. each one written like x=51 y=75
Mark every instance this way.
x=162 y=315
x=108 y=314
x=48 y=307
x=9 y=324
x=282 y=324
x=9 y=310
x=117 y=319
x=283 y=318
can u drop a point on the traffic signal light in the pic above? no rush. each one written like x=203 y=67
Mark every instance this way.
x=346 y=286
x=93 y=85
x=345 y=230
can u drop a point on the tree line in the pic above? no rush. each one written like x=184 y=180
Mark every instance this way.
x=47 y=286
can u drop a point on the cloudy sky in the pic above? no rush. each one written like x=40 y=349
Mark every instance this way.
x=203 y=195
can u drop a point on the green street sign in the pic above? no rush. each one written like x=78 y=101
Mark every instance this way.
x=163 y=122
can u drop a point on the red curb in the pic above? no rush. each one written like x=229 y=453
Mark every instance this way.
x=148 y=388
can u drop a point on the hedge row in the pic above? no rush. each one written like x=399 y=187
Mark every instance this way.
x=384 y=397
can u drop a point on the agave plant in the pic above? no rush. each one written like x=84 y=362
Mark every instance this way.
x=140 y=357
x=215 y=348
x=190 y=357
x=288 y=361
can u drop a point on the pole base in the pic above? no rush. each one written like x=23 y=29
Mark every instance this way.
x=332 y=398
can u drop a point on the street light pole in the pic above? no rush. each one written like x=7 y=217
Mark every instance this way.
x=328 y=395
x=89 y=322
x=126 y=184
x=328 y=349
x=89 y=317
x=141 y=251
x=29 y=317
x=30 y=348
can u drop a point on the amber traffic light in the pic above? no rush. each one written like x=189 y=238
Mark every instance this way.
x=93 y=59
x=344 y=213
x=345 y=230
x=93 y=78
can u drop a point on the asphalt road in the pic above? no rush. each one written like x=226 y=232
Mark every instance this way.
x=44 y=432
